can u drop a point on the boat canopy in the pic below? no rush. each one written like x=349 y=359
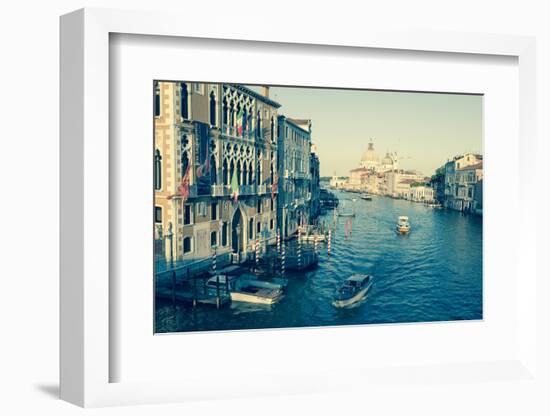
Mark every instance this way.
x=358 y=278
x=403 y=218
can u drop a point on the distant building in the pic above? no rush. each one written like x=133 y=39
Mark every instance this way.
x=294 y=146
x=337 y=182
x=314 y=184
x=461 y=176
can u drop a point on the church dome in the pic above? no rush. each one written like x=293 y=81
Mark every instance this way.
x=387 y=160
x=370 y=155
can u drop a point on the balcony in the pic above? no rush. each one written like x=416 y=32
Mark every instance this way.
x=232 y=132
x=247 y=190
x=221 y=190
x=261 y=189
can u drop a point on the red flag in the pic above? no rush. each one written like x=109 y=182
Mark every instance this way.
x=183 y=188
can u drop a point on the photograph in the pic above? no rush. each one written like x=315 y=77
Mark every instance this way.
x=279 y=206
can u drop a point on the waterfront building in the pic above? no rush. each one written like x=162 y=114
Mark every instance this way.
x=421 y=193
x=294 y=151
x=398 y=182
x=215 y=160
x=461 y=176
x=314 y=184
x=357 y=179
x=337 y=182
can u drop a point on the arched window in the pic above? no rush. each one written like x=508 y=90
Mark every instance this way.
x=213 y=239
x=250 y=173
x=213 y=171
x=184 y=163
x=239 y=178
x=225 y=173
x=212 y=109
x=184 y=101
x=245 y=174
x=225 y=112
x=231 y=170
x=224 y=234
x=258 y=126
x=245 y=120
x=158 y=170
x=157 y=99
x=272 y=130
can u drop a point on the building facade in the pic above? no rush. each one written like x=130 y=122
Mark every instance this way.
x=314 y=184
x=294 y=144
x=461 y=176
x=215 y=161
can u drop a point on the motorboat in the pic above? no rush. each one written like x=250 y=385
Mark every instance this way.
x=403 y=226
x=366 y=197
x=246 y=288
x=353 y=290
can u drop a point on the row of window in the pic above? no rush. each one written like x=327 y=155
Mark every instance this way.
x=203 y=212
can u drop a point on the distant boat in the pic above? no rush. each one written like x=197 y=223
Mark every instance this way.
x=403 y=226
x=366 y=197
x=353 y=290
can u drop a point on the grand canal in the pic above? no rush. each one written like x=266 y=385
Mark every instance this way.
x=432 y=274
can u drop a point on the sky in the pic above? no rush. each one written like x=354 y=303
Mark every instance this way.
x=425 y=129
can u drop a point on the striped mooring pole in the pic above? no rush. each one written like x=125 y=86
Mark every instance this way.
x=328 y=242
x=299 y=247
x=278 y=242
x=315 y=243
x=257 y=251
x=283 y=258
x=214 y=267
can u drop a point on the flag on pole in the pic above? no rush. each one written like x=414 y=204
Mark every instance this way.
x=240 y=122
x=183 y=188
x=235 y=187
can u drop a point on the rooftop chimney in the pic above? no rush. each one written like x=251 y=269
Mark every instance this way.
x=265 y=91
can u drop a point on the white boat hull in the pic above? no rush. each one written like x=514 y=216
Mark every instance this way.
x=255 y=298
x=360 y=295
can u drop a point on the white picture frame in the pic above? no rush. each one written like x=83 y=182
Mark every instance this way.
x=85 y=216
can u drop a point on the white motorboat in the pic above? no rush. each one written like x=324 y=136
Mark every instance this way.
x=353 y=290
x=403 y=226
x=246 y=288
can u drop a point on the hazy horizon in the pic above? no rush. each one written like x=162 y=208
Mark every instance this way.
x=425 y=129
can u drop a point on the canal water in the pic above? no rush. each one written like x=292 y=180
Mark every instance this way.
x=432 y=274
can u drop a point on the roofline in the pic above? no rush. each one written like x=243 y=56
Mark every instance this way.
x=256 y=95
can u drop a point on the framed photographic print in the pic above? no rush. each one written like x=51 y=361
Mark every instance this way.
x=330 y=222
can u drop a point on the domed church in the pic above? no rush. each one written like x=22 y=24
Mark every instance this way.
x=370 y=159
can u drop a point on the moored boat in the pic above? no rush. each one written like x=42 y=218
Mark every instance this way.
x=366 y=197
x=353 y=290
x=246 y=288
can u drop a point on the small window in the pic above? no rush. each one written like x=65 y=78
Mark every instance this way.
x=224 y=234
x=158 y=214
x=157 y=99
x=259 y=206
x=213 y=239
x=187 y=245
x=214 y=211
x=258 y=227
x=272 y=204
x=271 y=224
x=201 y=209
x=187 y=215
x=158 y=170
x=251 y=228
